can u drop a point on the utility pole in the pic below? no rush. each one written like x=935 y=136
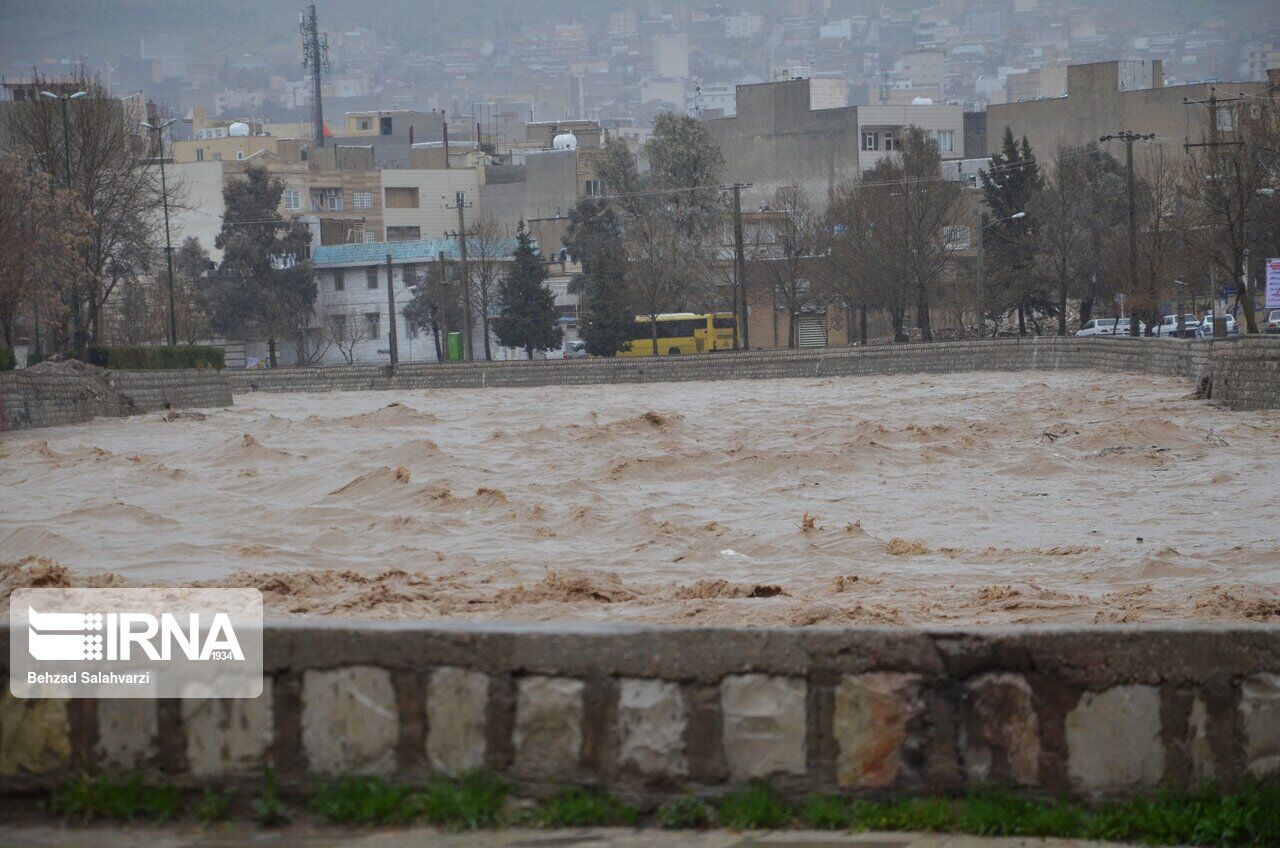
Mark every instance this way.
x=391 y=315
x=168 y=243
x=315 y=59
x=1129 y=138
x=459 y=203
x=1215 y=105
x=739 y=272
x=982 y=318
x=77 y=330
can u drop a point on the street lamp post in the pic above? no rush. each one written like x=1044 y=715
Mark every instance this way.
x=64 y=99
x=168 y=244
x=983 y=224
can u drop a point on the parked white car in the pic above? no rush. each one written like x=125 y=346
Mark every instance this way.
x=1273 y=321
x=1168 y=326
x=1206 y=326
x=1108 y=327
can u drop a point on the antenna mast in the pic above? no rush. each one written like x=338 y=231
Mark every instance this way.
x=315 y=59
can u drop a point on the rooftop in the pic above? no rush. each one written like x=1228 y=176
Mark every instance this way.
x=372 y=253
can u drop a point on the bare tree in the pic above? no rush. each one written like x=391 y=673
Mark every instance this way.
x=908 y=206
x=110 y=176
x=854 y=251
x=43 y=233
x=658 y=266
x=1227 y=184
x=345 y=330
x=1159 y=236
x=488 y=255
x=788 y=254
x=1061 y=240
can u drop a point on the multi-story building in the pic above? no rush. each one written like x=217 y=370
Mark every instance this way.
x=881 y=130
x=778 y=137
x=1106 y=97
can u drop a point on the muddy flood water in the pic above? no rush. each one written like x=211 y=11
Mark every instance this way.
x=946 y=499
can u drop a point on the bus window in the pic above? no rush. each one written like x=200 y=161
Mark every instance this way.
x=725 y=323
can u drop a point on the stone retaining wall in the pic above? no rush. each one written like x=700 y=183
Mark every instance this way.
x=648 y=711
x=1254 y=380
x=51 y=397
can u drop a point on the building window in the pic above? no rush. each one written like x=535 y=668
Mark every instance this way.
x=595 y=188
x=364 y=125
x=891 y=143
x=955 y=238
x=370 y=236
x=338 y=326
x=239 y=155
x=371 y=276
x=1226 y=118
x=404 y=233
x=292 y=200
x=199 y=154
x=339 y=279
x=870 y=141
x=384 y=126
x=946 y=141
x=326 y=200
x=401 y=198
x=362 y=200
x=372 y=320
x=407 y=273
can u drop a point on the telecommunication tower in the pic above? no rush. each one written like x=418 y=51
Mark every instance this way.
x=315 y=59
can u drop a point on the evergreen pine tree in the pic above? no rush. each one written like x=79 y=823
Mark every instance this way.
x=595 y=240
x=528 y=313
x=1014 y=177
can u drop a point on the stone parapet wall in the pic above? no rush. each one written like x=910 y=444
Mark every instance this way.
x=1195 y=361
x=649 y=712
x=73 y=394
x=1247 y=375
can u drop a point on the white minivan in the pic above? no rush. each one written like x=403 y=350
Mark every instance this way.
x=1168 y=326
x=1104 y=327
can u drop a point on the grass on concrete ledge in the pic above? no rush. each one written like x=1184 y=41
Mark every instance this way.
x=755 y=808
x=585 y=808
x=86 y=799
x=475 y=801
x=1248 y=818
x=1206 y=817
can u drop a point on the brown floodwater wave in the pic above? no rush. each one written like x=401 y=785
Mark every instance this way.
x=961 y=499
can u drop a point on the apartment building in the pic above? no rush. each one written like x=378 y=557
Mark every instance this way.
x=420 y=203
x=1106 y=97
x=780 y=137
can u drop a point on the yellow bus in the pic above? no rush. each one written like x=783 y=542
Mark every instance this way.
x=682 y=332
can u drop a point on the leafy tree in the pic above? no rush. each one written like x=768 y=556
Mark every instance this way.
x=595 y=240
x=527 y=316
x=264 y=281
x=1009 y=185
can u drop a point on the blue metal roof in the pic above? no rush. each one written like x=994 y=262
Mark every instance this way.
x=373 y=253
